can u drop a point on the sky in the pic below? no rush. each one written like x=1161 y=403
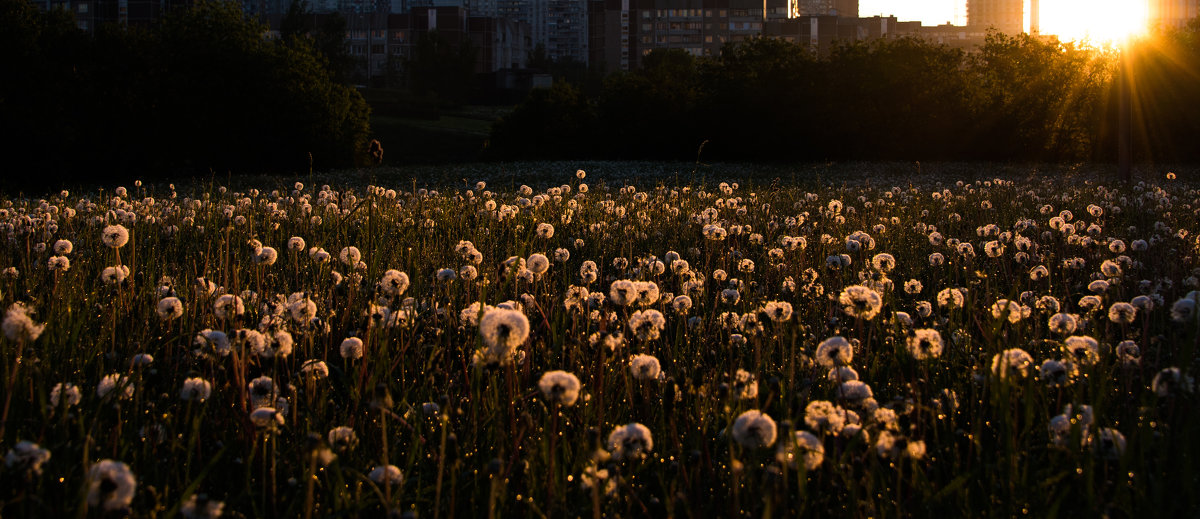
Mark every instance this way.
x=1072 y=20
x=929 y=12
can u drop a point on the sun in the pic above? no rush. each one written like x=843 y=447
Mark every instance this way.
x=1094 y=22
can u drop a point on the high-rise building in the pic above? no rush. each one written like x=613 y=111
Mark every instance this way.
x=1006 y=16
x=1173 y=13
x=560 y=27
x=843 y=8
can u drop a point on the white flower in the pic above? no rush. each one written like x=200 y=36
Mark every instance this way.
x=18 y=324
x=950 y=298
x=854 y=391
x=681 y=304
x=63 y=247
x=1108 y=443
x=352 y=348
x=1005 y=309
x=1012 y=363
x=212 y=342
x=823 y=416
x=629 y=442
x=115 y=236
x=59 y=263
x=228 y=306
x=834 y=351
x=860 y=302
x=647 y=324
x=315 y=368
x=389 y=475
x=114 y=381
x=195 y=389
x=169 y=308
x=111 y=485
x=1062 y=323
x=538 y=263
x=266 y=417
x=27 y=457
x=1171 y=382
x=924 y=344
x=65 y=393
x=559 y=387
x=350 y=256
x=199 y=506
x=809 y=448
x=545 y=230
x=644 y=367
x=1083 y=350
x=114 y=275
x=266 y=256
x=502 y=331
x=343 y=438
x=622 y=292
x=778 y=311
x=754 y=429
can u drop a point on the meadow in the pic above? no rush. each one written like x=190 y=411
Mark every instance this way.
x=603 y=343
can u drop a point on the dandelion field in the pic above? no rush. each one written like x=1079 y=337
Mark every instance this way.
x=587 y=348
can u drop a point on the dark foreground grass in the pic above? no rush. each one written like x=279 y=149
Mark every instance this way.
x=460 y=413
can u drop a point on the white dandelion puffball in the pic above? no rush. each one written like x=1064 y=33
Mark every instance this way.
x=537 y=263
x=834 y=351
x=18 y=324
x=1011 y=363
x=195 y=389
x=266 y=417
x=925 y=344
x=860 y=302
x=394 y=283
x=644 y=367
x=350 y=256
x=343 y=438
x=63 y=247
x=754 y=429
x=559 y=387
x=65 y=393
x=352 y=348
x=111 y=485
x=27 y=457
x=503 y=331
x=115 y=236
x=809 y=448
x=630 y=442
x=389 y=475
x=169 y=308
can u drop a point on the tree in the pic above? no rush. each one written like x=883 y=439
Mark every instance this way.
x=555 y=122
x=1040 y=99
x=443 y=68
x=201 y=91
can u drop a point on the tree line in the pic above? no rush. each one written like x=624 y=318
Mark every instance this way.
x=202 y=90
x=1017 y=98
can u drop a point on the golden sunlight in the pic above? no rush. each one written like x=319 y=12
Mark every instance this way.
x=1094 y=22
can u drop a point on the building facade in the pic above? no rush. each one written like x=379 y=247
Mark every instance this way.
x=1173 y=14
x=1006 y=16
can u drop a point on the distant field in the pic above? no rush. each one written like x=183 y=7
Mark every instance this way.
x=643 y=339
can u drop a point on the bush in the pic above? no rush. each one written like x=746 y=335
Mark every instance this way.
x=201 y=91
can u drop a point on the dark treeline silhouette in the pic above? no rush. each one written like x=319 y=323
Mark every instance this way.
x=1018 y=98
x=201 y=91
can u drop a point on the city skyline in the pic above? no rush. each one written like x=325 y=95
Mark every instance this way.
x=1069 y=19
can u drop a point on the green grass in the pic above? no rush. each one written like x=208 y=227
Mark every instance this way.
x=476 y=439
